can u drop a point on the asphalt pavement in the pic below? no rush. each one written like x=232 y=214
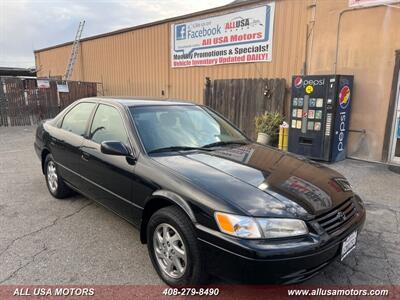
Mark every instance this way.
x=76 y=241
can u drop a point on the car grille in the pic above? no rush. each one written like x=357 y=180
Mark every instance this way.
x=337 y=218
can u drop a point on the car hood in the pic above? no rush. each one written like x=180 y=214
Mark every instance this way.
x=262 y=181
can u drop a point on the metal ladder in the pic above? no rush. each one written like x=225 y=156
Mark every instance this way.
x=74 y=52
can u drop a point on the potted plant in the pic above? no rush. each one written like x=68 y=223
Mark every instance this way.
x=267 y=127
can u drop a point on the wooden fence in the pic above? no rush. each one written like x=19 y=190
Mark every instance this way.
x=23 y=103
x=241 y=100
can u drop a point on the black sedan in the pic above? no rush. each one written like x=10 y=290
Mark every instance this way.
x=205 y=198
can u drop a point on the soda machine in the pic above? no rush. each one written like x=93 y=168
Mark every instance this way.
x=320 y=115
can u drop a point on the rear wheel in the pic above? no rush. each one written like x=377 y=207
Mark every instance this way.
x=55 y=183
x=173 y=248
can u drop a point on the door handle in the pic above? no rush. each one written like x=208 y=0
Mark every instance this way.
x=85 y=156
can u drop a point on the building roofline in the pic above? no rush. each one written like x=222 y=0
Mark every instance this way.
x=15 y=71
x=187 y=16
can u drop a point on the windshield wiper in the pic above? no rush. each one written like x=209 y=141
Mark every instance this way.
x=216 y=144
x=177 y=148
x=204 y=148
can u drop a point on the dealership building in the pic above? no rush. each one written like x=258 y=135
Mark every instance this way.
x=174 y=58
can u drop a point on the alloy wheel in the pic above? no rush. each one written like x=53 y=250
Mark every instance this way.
x=52 y=177
x=169 y=250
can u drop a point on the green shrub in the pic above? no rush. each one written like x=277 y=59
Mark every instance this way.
x=269 y=123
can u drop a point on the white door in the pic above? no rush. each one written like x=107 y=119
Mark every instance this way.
x=395 y=148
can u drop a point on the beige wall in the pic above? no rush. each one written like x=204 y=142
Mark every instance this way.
x=137 y=62
x=367 y=43
x=131 y=63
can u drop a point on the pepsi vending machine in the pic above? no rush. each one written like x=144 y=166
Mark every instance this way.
x=319 y=116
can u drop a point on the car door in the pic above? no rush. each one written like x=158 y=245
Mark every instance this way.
x=109 y=177
x=65 y=142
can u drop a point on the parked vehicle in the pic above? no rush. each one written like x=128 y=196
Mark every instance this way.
x=205 y=198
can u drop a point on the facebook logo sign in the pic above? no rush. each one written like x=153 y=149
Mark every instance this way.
x=180 y=32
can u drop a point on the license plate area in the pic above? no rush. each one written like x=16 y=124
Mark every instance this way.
x=348 y=244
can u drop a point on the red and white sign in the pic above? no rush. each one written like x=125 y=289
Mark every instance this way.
x=355 y=3
x=43 y=83
x=240 y=37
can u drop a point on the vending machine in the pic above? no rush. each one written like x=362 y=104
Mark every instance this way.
x=320 y=115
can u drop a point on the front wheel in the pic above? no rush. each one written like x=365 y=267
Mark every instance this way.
x=54 y=181
x=173 y=248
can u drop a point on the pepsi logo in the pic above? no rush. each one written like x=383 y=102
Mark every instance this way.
x=298 y=81
x=344 y=97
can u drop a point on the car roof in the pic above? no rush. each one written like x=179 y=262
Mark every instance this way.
x=142 y=101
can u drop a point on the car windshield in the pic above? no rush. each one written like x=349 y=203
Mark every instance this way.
x=182 y=127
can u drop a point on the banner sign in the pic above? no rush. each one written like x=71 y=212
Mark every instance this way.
x=355 y=3
x=43 y=83
x=62 y=87
x=239 y=37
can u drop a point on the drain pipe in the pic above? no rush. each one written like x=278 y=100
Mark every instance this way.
x=309 y=40
x=338 y=27
x=362 y=131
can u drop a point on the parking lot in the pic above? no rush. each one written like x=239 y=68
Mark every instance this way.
x=71 y=241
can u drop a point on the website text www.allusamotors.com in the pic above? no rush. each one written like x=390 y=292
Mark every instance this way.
x=337 y=292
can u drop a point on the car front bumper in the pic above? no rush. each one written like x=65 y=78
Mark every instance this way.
x=261 y=261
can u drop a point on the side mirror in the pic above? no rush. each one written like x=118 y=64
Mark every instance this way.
x=114 y=148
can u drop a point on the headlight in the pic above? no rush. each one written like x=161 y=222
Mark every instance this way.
x=276 y=228
x=238 y=226
x=248 y=227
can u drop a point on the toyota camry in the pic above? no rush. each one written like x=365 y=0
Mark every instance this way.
x=206 y=199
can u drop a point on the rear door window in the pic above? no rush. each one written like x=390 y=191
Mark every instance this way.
x=76 y=119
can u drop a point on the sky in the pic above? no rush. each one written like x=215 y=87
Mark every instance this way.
x=27 y=25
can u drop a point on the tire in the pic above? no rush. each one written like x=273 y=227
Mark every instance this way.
x=54 y=181
x=174 y=219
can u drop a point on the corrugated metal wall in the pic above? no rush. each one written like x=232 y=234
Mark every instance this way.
x=137 y=62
